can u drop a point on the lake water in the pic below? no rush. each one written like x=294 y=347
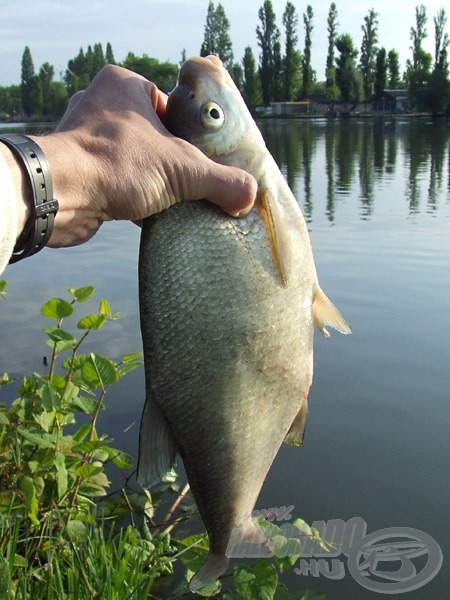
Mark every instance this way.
x=376 y=197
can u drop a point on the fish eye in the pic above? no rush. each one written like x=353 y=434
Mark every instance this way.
x=212 y=116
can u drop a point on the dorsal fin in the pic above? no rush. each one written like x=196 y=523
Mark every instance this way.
x=325 y=313
x=277 y=233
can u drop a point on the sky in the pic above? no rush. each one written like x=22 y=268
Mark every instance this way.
x=55 y=30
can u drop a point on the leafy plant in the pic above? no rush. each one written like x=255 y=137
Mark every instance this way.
x=63 y=533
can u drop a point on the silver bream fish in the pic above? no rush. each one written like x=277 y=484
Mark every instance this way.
x=227 y=312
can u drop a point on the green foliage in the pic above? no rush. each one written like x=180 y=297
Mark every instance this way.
x=369 y=51
x=348 y=77
x=251 y=86
x=292 y=58
x=394 y=79
x=330 y=72
x=268 y=36
x=283 y=74
x=216 y=39
x=163 y=74
x=63 y=534
x=308 y=74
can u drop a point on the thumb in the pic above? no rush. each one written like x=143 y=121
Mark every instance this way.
x=232 y=189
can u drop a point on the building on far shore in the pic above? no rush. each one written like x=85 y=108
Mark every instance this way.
x=391 y=101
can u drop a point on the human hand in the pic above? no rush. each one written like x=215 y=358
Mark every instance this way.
x=112 y=159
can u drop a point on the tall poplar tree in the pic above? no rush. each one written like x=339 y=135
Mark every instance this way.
x=417 y=36
x=109 y=55
x=437 y=94
x=381 y=72
x=394 y=79
x=348 y=77
x=216 y=39
x=441 y=42
x=307 y=71
x=27 y=81
x=292 y=57
x=369 y=52
x=251 y=87
x=330 y=73
x=268 y=36
x=418 y=70
x=46 y=74
x=98 y=60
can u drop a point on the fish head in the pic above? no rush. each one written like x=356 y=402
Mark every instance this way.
x=207 y=109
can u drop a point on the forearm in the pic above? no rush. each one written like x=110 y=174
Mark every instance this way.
x=14 y=203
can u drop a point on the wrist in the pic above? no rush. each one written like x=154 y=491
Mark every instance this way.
x=23 y=193
x=74 y=185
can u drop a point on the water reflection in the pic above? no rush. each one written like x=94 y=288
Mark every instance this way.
x=363 y=156
x=376 y=195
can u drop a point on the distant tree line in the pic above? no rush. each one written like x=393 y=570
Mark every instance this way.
x=283 y=71
x=40 y=95
x=289 y=75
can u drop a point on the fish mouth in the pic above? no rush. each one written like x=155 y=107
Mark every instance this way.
x=195 y=67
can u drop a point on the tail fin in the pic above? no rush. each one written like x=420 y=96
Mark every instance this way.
x=214 y=566
x=325 y=313
x=246 y=541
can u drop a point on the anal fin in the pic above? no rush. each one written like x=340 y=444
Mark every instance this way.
x=157 y=445
x=325 y=313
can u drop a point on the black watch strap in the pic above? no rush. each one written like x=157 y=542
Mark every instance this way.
x=39 y=226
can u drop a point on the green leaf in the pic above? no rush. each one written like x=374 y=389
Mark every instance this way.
x=31 y=503
x=59 y=335
x=197 y=549
x=91 y=488
x=60 y=464
x=82 y=432
x=303 y=527
x=3 y=286
x=127 y=358
x=45 y=420
x=57 y=309
x=78 y=532
x=91 y=322
x=105 y=309
x=86 y=405
x=258 y=581
x=50 y=397
x=99 y=371
x=126 y=368
x=35 y=438
x=122 y=460
x=20 y=561
x=83 y=293
x=70 y=393
x=87 y=471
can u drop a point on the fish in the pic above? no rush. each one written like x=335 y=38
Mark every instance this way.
x=228 y=307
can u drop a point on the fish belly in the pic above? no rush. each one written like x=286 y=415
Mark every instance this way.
x=228 y=352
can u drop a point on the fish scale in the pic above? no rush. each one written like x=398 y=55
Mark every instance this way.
x=191 y=275
x=227 y=311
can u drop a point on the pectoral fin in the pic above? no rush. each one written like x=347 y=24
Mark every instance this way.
x=157 y=446
x=325 y=313
x=278 y=236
